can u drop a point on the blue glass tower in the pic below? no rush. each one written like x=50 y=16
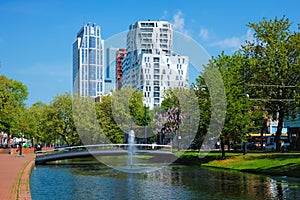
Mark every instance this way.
x=88 y=62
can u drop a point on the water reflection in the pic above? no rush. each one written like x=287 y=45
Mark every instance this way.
x=94 y=181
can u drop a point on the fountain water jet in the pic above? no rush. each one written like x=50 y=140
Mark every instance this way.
x=131 y=149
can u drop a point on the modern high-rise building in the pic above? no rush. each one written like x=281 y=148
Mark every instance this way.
x=150 y=64
x=120 y=55
x=88 y=62
x=110 y=69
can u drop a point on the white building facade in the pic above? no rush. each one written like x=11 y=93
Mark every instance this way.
x=88 y=62
x=150 y=65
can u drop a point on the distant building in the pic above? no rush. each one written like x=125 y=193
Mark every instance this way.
x=110 y=70
x=88 y=62
x=150 y=64
x=120 y=55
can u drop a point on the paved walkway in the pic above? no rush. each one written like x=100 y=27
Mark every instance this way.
x=14 y=176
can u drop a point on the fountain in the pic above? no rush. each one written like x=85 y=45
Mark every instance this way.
x=131 y=149
x=133 y=165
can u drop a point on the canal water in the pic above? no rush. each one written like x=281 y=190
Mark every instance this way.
x=89 y=179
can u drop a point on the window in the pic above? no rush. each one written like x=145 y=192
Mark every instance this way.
x=163 y=46
x=83 y=74
x=92 y=42
x=82 y=56
x=92 y=72
x=156 y=94
x=92 y=89
x=92 y=56
x=149 y=30
x=147 y=24
x=155 y=59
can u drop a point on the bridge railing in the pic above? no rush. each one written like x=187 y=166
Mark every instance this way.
x=108 y=147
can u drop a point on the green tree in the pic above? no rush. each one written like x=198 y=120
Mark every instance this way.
x=128 y=110
x=38 y=121
x=272 y=69
x=12 y=96
x=204 y=103
x=60 y=120
x=212 y=104
x=179 y=114
x=111 y=130
x=86 y=121
x=243 y=114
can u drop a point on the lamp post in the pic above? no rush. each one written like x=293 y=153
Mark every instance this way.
x=178 y=120
x=145 y=123
x=244 y=111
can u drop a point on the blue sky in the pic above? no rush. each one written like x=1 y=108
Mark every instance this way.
x=36 y=37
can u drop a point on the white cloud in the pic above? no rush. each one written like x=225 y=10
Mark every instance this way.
x=178 y=23
x=234 y=42
x=249 y=35
x=203 y=33
x=165 y=15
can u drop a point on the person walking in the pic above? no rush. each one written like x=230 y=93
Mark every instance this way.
x=11 y=150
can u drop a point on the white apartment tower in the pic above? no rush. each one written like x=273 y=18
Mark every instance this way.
x=151 y=65
x=88 y=62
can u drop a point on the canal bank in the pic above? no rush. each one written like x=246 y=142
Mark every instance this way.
x=270 y=163
x=15 y=175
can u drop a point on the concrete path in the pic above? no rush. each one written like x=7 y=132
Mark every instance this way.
x=14 y=176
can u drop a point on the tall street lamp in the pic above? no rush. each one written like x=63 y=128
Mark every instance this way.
x=145 y=123
x=178 y=120
x=244 y=111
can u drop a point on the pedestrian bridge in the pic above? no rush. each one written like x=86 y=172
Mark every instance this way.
x=163 y=152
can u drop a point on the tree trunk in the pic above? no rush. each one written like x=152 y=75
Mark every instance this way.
x=228 y=147
x=279 y=130
x=262 y=138
x=222 y=147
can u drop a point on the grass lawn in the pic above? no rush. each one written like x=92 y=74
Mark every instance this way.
x=283 y=164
